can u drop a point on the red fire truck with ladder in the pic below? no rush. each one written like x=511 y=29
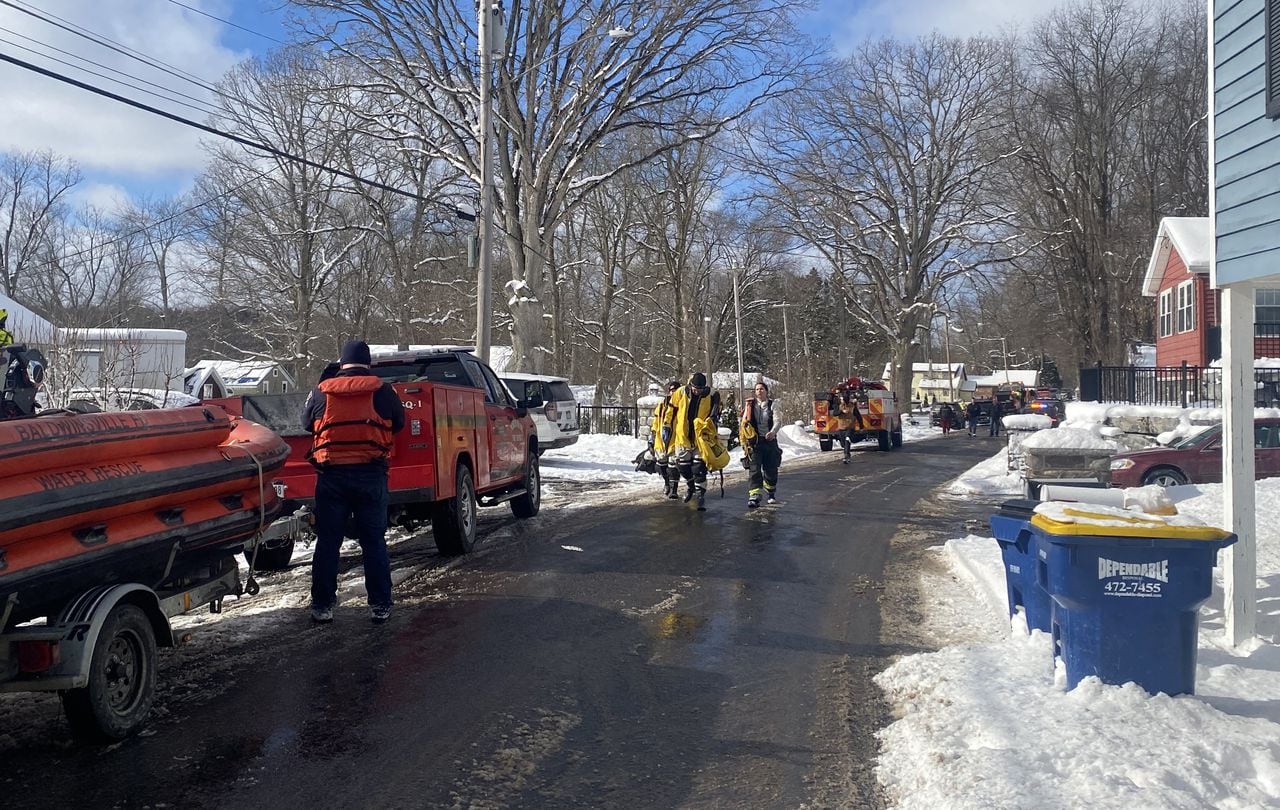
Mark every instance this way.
x=860 y=409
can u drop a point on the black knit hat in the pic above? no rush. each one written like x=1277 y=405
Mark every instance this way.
x=355 y=352
x=698 y=380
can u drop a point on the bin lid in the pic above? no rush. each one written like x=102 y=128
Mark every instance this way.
x=1053 y=517
x=1019 y=508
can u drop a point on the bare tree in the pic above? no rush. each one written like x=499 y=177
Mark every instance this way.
x=563 y=87
x=1093 y=157
x=33 y=191
x=293 y=226
x=884 y=168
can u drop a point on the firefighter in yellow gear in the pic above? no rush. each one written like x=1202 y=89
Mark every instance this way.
x=662 y=442
x=693 y=401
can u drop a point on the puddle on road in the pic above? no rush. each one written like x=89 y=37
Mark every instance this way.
x=678 y=625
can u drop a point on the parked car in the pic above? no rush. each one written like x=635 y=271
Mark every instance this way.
x=95 y=400
x=1196 y=459
x=557 y=418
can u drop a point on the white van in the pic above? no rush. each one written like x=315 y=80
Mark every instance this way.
x=557 y=418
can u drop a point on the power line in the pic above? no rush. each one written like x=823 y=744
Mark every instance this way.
x=228 y=22
x=262 y=147
x=109 y=44
x=204 y=106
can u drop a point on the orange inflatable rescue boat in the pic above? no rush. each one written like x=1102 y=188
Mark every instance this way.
x=139 y=496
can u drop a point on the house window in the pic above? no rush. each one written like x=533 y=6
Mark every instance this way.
x=1272 y=59
x=1186 y=307
x=1166 y=313
x=206 y=391
x=1266 y=312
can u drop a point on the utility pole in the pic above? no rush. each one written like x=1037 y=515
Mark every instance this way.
x=737 y=317
x=489 y=11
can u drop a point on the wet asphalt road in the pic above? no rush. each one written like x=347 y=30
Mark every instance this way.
x=678 y=659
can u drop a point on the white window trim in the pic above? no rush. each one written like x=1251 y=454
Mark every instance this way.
x=1164 y=318
x=1189 y=307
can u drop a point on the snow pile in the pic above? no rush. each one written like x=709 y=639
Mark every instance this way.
x=1027 y=421
x=1091 y=514
x=991 y=726
x=1152 y=499
x=990 y=477
x=1088 y=437
x=989 y=723
x=796 y=441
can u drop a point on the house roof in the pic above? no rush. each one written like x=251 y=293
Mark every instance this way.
x=193 y=379
x=957 y=369
x=1189 y=236
x=242 y=372
x=728 y=380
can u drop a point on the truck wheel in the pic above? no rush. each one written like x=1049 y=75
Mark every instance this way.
x=882 y=438
x=274 y=558
x=122 y=679
x=825 y=443
x=896 y=438
x=527 y=505
x=454 y=523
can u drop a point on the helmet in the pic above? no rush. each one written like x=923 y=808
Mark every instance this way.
x=4 y=315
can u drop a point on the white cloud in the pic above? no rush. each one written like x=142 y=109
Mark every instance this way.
x=872 y=19
x=107 y=197
x=100 y=134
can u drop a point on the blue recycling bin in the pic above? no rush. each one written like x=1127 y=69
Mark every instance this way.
x=1126 y=603
x=1012 y=530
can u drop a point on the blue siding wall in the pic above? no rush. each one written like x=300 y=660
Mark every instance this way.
x=1247 y=146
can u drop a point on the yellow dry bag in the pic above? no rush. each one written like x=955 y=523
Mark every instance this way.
x=707 y=439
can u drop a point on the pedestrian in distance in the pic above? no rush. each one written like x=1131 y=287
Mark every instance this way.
x=352 y=416
x=662 y=444
x=761 y=419
x=973 y=410
x=693 y=401
x=945 y=415
x=994 y=430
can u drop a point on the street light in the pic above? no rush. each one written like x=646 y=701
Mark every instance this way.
x=489 y=33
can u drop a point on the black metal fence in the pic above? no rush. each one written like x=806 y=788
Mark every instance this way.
x=617 y=420
x=1182 y=386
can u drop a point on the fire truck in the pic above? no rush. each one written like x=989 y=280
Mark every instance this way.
x=863 y=410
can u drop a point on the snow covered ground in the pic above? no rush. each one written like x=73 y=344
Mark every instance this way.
x=986 y=722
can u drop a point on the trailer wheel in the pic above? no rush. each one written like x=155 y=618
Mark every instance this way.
x=825 y=443
x=454 y=523
x=882 y=438
x=527 y=505
x=122 y=679
x=273 y=558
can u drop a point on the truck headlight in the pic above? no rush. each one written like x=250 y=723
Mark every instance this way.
x=1121 y=463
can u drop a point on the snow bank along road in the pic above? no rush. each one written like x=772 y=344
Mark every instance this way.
x=640 y=655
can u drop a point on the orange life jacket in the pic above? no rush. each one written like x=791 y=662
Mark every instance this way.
x=351 y=430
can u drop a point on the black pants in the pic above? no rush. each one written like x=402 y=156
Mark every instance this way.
x=766 y=456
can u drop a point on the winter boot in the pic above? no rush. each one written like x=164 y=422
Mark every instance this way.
x=673 y=491
x=772 y=498
x=688 y=494
x=702 y=501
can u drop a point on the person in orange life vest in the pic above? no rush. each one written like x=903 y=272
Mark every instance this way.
x=352 y=415
x=762 y=414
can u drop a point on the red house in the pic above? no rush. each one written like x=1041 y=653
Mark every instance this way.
x=1188 y=325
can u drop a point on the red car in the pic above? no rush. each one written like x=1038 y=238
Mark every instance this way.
x=1196 y=459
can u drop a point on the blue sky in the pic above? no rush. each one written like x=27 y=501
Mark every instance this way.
x=123 y=151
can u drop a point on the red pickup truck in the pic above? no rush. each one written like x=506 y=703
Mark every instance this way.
x=466 y=442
